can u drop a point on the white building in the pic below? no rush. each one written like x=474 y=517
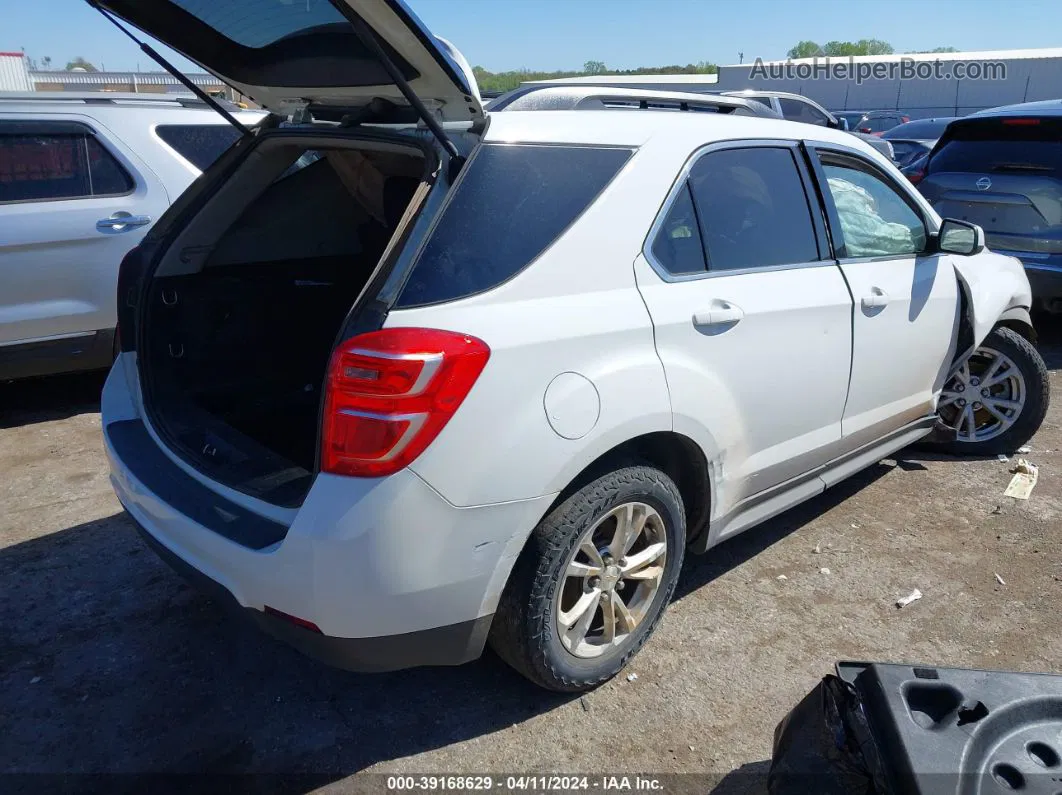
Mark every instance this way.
x=14 y=72
x=921 y=84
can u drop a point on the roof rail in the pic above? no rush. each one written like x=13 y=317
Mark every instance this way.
x=106 y=98
x=604 y=98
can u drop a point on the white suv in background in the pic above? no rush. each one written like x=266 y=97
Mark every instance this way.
x=82 y=176
x=398 y=391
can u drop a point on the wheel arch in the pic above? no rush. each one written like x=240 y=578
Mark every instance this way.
x=676 y=455
x=1018 y=320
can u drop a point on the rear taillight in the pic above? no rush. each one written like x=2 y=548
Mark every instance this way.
x=1021 y=122
x=389 y=393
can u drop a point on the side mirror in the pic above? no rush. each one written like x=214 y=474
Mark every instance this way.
x=960 y=237
x=843 y=124
x=837 y=124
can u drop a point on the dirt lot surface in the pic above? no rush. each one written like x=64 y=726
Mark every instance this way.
x=109 y=663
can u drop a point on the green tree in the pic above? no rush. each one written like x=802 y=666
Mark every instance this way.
x=805 y=49
x=874 y=47
x=81 y=63
x=594 y=68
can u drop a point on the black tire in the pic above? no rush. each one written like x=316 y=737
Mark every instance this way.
x=523 y=632
x=1038 y=397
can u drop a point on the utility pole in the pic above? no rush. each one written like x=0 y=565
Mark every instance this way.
x=741 y=57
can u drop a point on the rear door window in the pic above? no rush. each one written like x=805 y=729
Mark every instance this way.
x=752 y=209
x=1009 y=146
x=54 y=161
x=677 y=247
x=199 y=144
x=513 y=201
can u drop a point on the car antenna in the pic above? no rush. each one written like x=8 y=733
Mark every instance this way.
x=173 y=70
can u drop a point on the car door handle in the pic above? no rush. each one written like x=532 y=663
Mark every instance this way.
x=721 y=313
x=122 y=220
x=876 y=300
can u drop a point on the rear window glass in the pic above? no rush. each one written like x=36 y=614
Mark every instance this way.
x=998 y=147
x=199 y=144
x=512 y=203
x=923 y=129
x=258 y=23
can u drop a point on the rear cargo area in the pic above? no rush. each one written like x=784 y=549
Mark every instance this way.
x=245 y=308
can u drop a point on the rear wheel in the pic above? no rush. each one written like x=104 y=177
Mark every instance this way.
x=998 y=398
x=593 y=581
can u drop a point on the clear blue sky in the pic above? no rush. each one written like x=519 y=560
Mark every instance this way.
x=563 y=34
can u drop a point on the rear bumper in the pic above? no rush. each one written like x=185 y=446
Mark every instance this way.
x=392 y=574
x=1044 y=272
x=450 y=645
x=1045 y=280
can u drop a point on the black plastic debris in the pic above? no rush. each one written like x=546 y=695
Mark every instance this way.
x=883 y=729
x=824 y=746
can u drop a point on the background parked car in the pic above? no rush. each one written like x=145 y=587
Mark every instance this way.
x=797 y=108
x=850 y=118
x=914 y=139
x=82 y=177
x=1002 y=169
x=875 y=122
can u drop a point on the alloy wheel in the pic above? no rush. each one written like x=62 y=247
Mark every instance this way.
x=611 y=580
x=984 y=398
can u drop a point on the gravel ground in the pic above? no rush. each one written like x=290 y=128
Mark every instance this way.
x=109 y=663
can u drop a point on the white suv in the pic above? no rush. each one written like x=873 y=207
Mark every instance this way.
x=399 y=392
x=82 y=177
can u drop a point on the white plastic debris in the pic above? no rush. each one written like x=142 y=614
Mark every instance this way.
x=824 y=570
x=691 y=747
x=1024 y=449
x=1000 y=579
x=1002 y=458
x=817 y=550
x=914 y=596
x=1021 y=485
x=632 y=677
x=781 y=577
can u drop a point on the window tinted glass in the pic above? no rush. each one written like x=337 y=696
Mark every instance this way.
x=41 y=166
x=107 y=175
x=878 y=124
x=875 y=219
x=762 y=100
x=924 y=129
x=752 y=208
x=795 y=110
x=995 y=147
x=199 y=144
x=677 y=246
x=257 y=23
x=511 y=204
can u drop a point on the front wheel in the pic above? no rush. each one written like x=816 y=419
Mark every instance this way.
x=999 y=397
x=592 y=581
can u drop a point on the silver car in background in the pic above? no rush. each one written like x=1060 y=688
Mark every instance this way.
x=82 y=177
x=795 y=107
